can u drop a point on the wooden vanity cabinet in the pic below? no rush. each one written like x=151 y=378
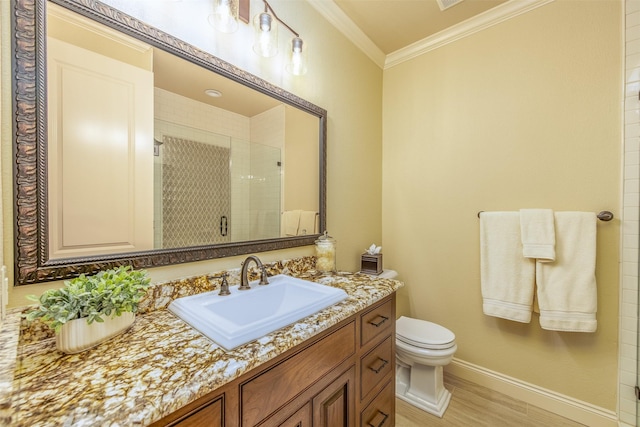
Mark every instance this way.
x=203 y=413
x=342 y=377
x=377 y=365
x=321 y=373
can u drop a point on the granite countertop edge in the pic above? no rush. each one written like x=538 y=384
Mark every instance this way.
x=158 y=366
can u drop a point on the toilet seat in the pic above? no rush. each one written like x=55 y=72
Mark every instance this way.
x=424 y=334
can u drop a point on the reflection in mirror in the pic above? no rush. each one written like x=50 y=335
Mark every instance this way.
x=145 y=167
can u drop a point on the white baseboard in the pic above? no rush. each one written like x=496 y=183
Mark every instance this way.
x=557 y=403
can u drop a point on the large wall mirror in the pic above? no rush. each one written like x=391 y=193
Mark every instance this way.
x=134 y=147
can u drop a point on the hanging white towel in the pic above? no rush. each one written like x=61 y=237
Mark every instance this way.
x=567 y=292
x=307 y=223
x=507 y=278
x=538 y=234
x=291 y=222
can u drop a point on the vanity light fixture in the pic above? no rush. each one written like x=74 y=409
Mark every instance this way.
x=297 y=64
x=226 y=14
x=266 y=40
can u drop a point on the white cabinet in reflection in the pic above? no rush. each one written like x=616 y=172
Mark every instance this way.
x=100 y=152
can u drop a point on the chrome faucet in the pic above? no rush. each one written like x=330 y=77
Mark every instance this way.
x=244 y=273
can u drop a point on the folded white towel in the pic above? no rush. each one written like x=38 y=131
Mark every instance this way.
x=307 y=223
x=507 y=278
x=291 y=222
x=567 y=292
x=538 y=234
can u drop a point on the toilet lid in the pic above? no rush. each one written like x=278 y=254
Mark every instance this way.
x=423 y=334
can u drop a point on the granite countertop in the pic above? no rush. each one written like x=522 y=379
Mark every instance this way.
x=155 y=368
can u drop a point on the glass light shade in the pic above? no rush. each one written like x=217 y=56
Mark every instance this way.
x=265 y=35
x=225 y=16
x=297 y=64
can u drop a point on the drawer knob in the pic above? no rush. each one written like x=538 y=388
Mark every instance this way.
x=379 y=419
x=380 y=322
x=381 y=366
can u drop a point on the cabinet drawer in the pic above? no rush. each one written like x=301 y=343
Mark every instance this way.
x=375 y=322
x=267 y=392
x=381 y=411
x=375 y=366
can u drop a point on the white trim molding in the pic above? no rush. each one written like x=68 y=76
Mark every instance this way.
x=332 y=13
x=565 y=406
x=491 y=17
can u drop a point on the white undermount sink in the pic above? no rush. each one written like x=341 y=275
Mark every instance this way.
x=243 y=316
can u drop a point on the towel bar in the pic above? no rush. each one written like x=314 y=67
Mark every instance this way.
x=605 y=216
x=602 y=216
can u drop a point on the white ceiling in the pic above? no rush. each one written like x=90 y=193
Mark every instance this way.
x=168 y=72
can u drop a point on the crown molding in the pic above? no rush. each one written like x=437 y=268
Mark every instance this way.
x=346 y=26
x=487 y=19
x=498 y=14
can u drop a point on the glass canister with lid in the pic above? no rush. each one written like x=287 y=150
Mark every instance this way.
x=326 y=254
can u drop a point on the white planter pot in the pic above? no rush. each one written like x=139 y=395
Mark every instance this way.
x=77 y=335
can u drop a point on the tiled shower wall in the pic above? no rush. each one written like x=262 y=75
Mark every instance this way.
x=628 y=359
x=254 y=192
x=240 y=196
x=253 y=217
x=267 y=130
x=265 y=191
x=181 y=117
x=196 y=196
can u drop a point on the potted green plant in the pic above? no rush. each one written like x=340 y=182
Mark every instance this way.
x=89 y=310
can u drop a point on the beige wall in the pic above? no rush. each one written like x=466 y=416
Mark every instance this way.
x=301 y=165
x=340 y=79
x=523 y=114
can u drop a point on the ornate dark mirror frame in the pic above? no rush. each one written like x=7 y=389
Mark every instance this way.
x=30 y=141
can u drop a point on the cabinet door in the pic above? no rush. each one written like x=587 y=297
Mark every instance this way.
x=334 y=406
x=208 y=416
x=302 y=418
x=101 y=127
x=280 y=384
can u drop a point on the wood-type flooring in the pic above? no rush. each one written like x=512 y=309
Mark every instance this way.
x=477 y=406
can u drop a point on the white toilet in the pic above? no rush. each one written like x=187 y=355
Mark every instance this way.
x=422 y=349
